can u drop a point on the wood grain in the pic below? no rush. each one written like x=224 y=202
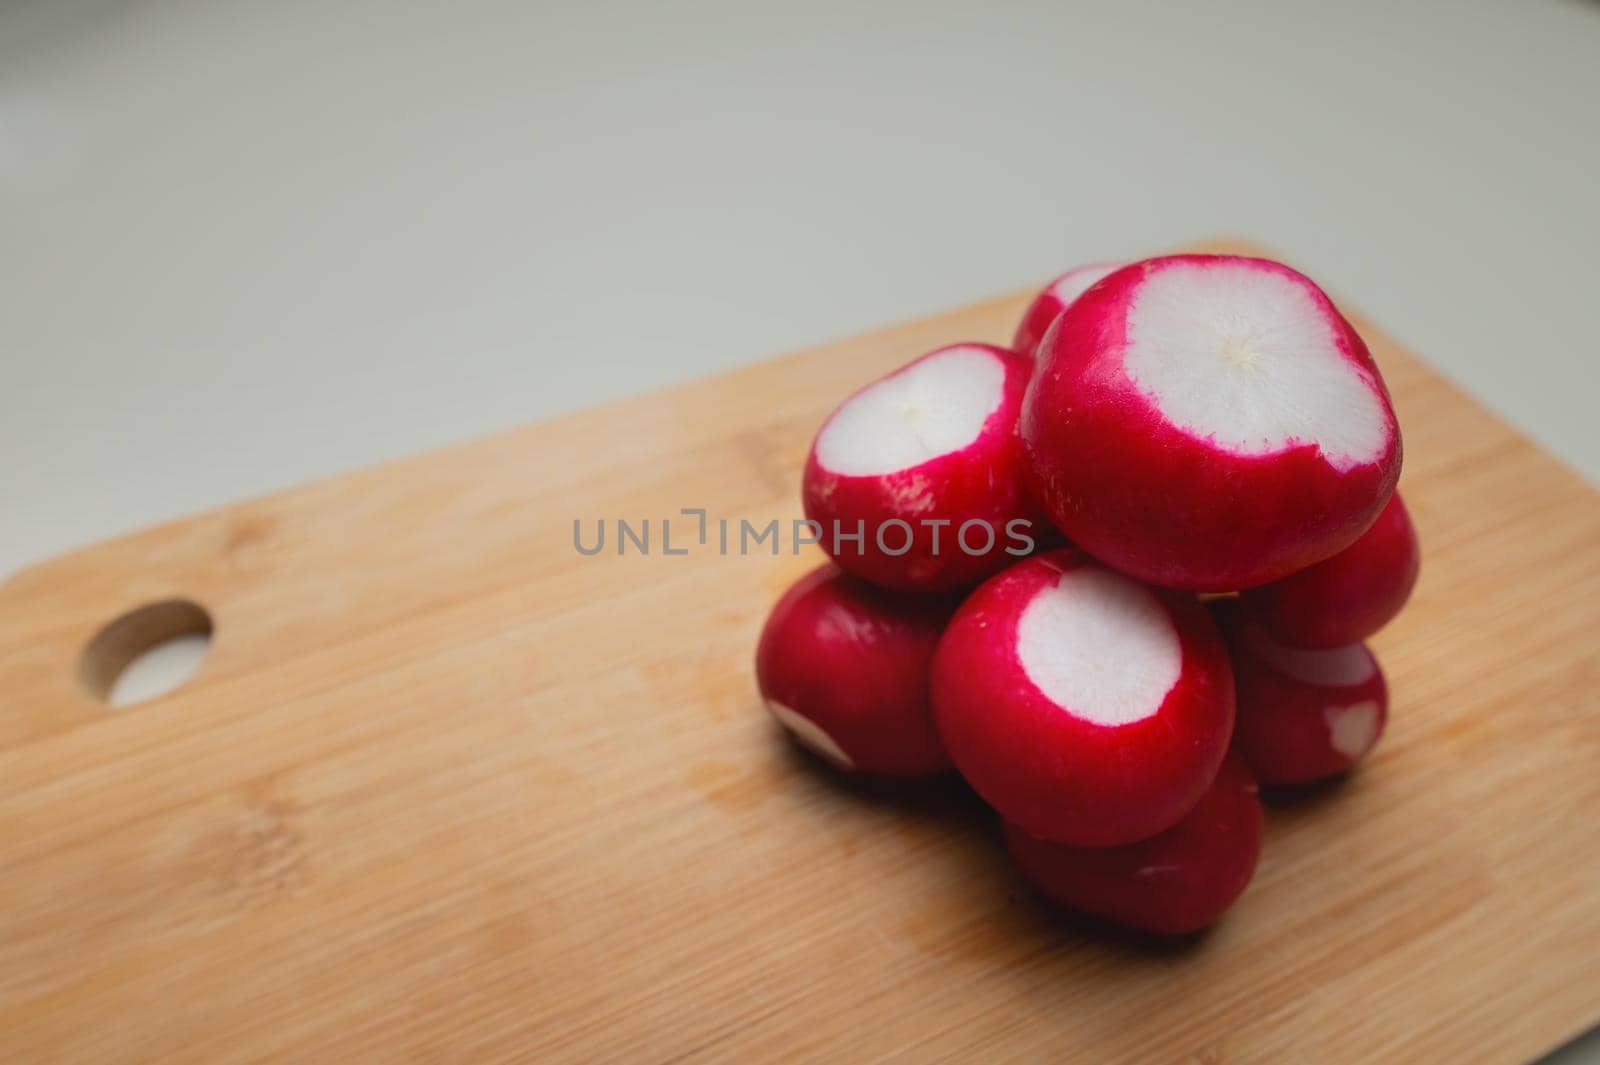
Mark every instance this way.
x=445 y=789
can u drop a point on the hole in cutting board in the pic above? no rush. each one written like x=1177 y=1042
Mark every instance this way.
x=146 y=652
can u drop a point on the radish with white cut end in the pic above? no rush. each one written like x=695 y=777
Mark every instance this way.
x=1346 y=598
x=1174 y=883
x=1304 y=715
x=843 y=665
x=1056 y=297
x=1080 y=704
x=1209 y=422
x=917 y=481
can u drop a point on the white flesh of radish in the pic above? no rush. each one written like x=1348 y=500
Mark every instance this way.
x=930 y=408
x=810 y=734
x=1100 y=646
x=1352 y=730
x=1074 y=283
x=1246 y=357
x=1340 y=667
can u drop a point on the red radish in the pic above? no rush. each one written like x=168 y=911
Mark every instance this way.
x=921 y=472
x=1209 y=422
x=1304 y=715
x=1346 y=598
x=1172 y=884
x=1081 y=704
x=843 y=665
x=1056 y=297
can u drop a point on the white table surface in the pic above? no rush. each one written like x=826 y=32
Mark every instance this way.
x=244 y=245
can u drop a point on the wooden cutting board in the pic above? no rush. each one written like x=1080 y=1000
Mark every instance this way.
x=446 y=789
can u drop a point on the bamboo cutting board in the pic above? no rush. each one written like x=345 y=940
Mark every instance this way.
x=445 y=789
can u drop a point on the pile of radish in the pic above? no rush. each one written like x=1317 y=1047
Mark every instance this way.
x=1118 y=576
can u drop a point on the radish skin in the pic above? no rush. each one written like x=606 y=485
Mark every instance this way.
x=1346 y=598
x=843 y=665
x=1175 y=883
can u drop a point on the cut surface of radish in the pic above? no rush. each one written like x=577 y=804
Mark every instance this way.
x=1208 y=423
x=1337 y=667
x=1056 y=297
x=1101 y=645
x=1354 y=729
x=1250 y=358
x=1074 y=283
x=931 y=408
x=810 y=734
x=1081 y=705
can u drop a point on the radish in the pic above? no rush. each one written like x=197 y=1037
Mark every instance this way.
x=916 y=481
x=843 y=665
x=1304 y=715
x=1172 y=884
x=1346 y=598
x=1056 y=297
x=1209 y=422
x=1081 y=704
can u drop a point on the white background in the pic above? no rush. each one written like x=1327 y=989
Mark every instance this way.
x=243 y=245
